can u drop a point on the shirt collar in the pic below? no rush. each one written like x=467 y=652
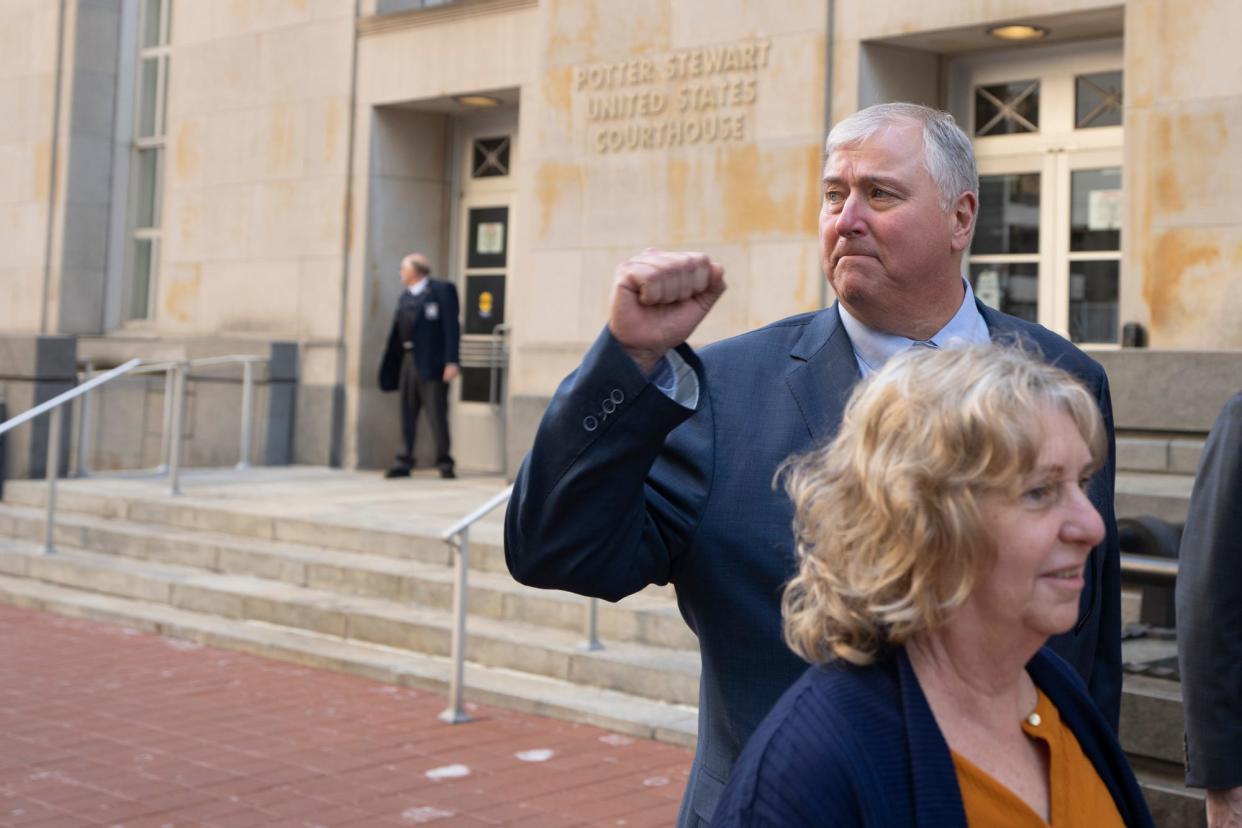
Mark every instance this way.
x=420 y=286
x=873 y=348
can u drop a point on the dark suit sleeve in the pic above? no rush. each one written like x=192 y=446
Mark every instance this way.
x=1093 y=647
x=602 y=506
x=1104 y=679
x=452 y=326
x=1209 y=609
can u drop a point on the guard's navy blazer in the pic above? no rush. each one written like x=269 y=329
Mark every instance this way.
x=1209 y=609
x=854 y=746
x=624 y=488
x=429 y=321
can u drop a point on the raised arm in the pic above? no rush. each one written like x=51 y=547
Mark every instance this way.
x=602 y=506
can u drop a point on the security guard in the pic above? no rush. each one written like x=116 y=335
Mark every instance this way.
x=421 y=359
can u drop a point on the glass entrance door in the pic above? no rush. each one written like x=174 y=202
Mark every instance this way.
x=1047 y=130
x=1047 y=245
x=486 y=152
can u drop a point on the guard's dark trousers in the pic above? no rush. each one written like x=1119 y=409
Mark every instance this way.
x=415 y=394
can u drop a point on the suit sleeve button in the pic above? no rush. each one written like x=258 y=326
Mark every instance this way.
x=590 y=423
x=608 y=405
x=617 y=396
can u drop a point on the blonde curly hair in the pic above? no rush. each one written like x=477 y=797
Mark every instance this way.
x=890 y=538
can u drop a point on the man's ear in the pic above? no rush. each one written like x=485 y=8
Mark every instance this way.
x=964 y=212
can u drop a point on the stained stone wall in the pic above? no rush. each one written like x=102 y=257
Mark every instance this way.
x=657 y=124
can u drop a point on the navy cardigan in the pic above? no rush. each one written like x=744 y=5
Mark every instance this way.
x=852 y=745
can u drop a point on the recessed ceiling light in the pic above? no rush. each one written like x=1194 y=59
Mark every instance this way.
x=1018 y=31
x=477 y=100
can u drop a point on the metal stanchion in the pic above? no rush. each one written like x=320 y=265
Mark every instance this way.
x=455 y=712
x=170 y=393
x=53 y=470
x=86 y=423
x=178 y=412
x=243 y=461
x=592 y=626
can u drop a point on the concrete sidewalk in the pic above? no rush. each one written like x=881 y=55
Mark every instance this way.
x=102 y=725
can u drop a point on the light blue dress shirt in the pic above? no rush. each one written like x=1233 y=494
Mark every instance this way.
x=873 y=348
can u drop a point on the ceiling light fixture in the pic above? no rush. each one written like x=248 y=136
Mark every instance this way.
x=1018 y=31
x=477 y=100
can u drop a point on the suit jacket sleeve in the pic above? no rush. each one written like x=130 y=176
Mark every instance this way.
x=1209 y=609
x=601 y=506
x=452 y=326
x=390 y=363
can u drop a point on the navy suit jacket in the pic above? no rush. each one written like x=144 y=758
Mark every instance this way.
x=430 y=322
x=1209 y=609
x=853 y=746
x=624 y=488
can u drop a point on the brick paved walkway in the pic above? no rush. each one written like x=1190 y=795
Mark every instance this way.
x=101 y=725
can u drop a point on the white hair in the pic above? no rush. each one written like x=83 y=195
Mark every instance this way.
x=947 y=152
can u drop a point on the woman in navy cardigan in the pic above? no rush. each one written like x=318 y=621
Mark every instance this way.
x=942 y=538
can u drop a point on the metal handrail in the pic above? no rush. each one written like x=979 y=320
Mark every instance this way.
x=175 y=381
x=72 y=393
x=457 y=537
x=53 y=436
x=1148 y=570
x=248 y=361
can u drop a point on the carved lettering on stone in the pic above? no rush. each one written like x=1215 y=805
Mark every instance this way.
x=693 y=96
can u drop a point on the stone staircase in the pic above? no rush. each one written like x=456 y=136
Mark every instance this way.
x=370 y=601
x=353 y=582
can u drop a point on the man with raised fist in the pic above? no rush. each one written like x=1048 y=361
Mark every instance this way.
x=654 y=464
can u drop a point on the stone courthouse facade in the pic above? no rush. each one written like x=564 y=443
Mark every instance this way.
x=189 y=178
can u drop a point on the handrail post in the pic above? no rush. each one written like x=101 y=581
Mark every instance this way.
x=170 y=391
x=86 y=422
x=178 y=412
x=243 y=461
x=53 y=470
x=455 y=713
x=592 y=626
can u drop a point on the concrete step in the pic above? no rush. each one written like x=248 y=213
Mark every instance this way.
x=649 y=618
x=1172 y=804
x=1151 y=720
x=1160 y=455
x=631 y=715
x=1166 y=496
x=654 y=673
x=92 y=497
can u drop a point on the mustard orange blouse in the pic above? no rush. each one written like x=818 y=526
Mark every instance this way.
x=1079 y=798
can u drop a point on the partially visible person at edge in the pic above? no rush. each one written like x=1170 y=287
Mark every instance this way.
x=421 y=359
x=653 y=463
x=1209 y=621
x=942 y=538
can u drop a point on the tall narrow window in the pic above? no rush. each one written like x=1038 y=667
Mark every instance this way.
x=147 y=167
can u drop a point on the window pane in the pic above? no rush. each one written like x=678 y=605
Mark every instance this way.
x=1008 y=219
x=1095 y=209
x=1007 y=108
x=479 y=385
x=162 y=115
x=491 y=157
x=1011 y=288
x=1093 y=301
x=1097 y=100
x=146 y=189
x=150 y=23
x=138 y=281
x=148 y=87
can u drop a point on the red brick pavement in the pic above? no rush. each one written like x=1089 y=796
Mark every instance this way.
x=101 y=725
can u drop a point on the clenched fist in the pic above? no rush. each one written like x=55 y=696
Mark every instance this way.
x=658 y=299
